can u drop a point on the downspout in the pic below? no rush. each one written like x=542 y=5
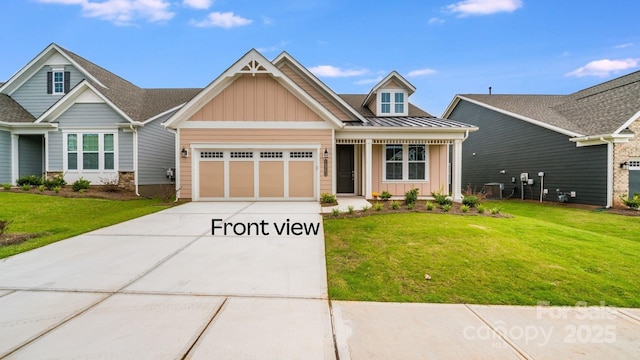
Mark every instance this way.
x=609 y=172
x=177 y=160
x=135 y=158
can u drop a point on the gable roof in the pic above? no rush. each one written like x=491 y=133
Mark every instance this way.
x=137 y=103
x=606 y=108
x=251 y=63
x=356 y=101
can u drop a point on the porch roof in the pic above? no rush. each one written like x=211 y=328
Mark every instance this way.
x=410 y=122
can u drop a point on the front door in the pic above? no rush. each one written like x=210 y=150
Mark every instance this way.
x=345 y=169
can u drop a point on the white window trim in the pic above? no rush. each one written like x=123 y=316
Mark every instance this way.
x=393 y=103
x=405 y=164
x=53 y=81
x=101 y=152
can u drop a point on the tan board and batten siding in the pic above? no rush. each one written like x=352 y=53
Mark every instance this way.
x=255 y=98
x=437 y=173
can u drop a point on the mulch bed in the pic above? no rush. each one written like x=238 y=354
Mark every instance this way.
x=95 y=191
x=420 y=207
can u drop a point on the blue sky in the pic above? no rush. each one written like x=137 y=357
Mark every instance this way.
x=442 y=47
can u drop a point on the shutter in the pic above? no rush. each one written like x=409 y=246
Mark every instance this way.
x=49 y=82
x=67 y=81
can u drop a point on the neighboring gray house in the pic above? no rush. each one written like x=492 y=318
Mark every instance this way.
x=584 y=144
x=61 y=114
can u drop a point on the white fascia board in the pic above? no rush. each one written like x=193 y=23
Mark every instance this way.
x=175 y=108
x=36 y=63
x=227 y=77
x=452 y=105
x=524 y=118
x=28 y=127
x=591 y=140
x=284 y=56
x=635 y=117
x=68 y=100
x=402 y=135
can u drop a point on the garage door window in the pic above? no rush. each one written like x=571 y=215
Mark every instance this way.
x=301 y=154
x=242 y=155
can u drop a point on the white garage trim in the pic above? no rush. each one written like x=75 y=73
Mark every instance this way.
x=222 y=153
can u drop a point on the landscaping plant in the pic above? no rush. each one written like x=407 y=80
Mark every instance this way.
x=385 y=195
x=327 y=198
x=411 y=196
x=395 y=205
x=6 y=186
x=80 y=184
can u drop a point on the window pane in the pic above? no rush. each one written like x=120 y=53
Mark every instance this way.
x=58 y=76
x=59 y=88
x=385 y=97
x=108 y=161
x=72 y=161
x=399 y=108
x=90 y=161
x=394 y=153
x=72 y=142
x=90 y=142
x=385 y=108
x=394 y=171
x=416 y=171
x=417 y=153
x=108 y=142
x=399 y=97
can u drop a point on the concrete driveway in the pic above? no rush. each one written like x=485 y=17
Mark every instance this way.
x=164 y=287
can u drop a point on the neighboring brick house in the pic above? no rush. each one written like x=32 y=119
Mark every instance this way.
x=586 y=142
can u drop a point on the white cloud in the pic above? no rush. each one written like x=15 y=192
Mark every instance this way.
x=435 y=21
x=224 y=20
x=369 y=81
x=198 y=4
x=421 y=72
x=332 y=71
x=122 y=12
x=604 y=67
x=622 y=46
x=484 y=7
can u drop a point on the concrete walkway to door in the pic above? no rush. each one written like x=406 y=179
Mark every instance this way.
x=163 y=287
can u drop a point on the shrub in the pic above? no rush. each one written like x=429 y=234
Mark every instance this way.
x=480 y=209
x=411 y=206
x=80 y=184
x=465 y=208
x=385 y=195
x=25 y=187
x=57 y=189
x=30 y=180
x=366 y=208
x=327 y=198
x=429 y=205
x=633 y=203
x=411 y=196
x=377 y=207
x=351 y=209
x=495 y=211
x=471 y=201
x=50 y=184
x=41 y=188
x=446 y=207
x=395 y=205
x=335 y=212
x=4 y=226
x=6 y=186
x=441 y=198
x=110 y=184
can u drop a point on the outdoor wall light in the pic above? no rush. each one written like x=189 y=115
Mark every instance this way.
x=624 y=165
x=325 y=154
x=185 y=152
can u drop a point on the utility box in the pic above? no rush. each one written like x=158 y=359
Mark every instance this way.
x=494 y=190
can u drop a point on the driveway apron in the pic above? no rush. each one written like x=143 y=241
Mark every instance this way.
x=174 y=285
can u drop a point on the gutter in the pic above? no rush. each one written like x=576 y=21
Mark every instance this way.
x=177 y=160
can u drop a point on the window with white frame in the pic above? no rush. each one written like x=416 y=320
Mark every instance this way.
x=392 y=103
x=58 y=82
x=405 y=162
x=90 y=151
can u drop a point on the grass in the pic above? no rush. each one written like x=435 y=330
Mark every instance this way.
x=57 y=218
x=543 y=253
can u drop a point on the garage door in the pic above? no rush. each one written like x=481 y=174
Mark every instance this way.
x=256 y=175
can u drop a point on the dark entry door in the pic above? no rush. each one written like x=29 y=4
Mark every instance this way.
x=345 y=169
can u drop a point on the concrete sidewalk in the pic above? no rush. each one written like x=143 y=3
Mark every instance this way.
x=164 y=287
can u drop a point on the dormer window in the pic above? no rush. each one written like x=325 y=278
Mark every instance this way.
x=392 y=103
x=58 y=81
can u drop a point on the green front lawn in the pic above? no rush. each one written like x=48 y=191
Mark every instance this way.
x=543 y=253
x=57 y=218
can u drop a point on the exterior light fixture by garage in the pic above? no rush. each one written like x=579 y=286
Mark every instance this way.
x=624 y=165
x=325 y=155
x=185 y=152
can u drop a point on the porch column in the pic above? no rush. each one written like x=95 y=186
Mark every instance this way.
x=456 y=176
x=15 y=158
x=367 y=169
